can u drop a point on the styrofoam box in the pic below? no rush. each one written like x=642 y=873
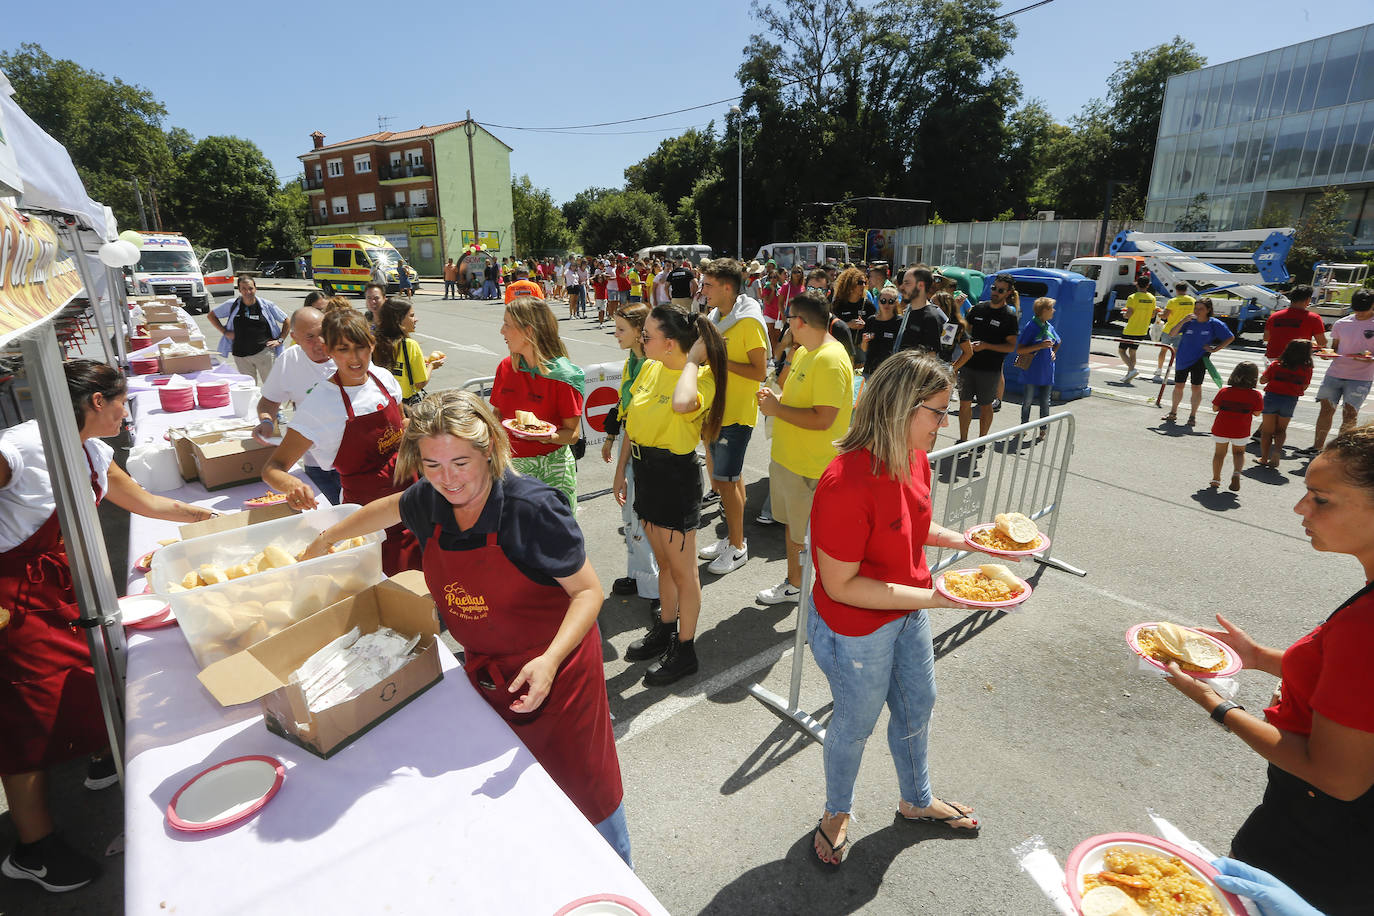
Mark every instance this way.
x=219 y=620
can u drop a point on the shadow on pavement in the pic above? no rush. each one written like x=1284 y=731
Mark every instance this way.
x=782 y=744
x=1216 y=499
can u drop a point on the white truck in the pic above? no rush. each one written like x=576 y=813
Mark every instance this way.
x=1115 y=279
x=168 y=267
x=1332 y=286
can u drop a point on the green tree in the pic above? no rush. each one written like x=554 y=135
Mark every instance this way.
x=286 y=236
x=110 y=128
x=540 y=230
x=671 y=171
x=1195 y=216
x=575 y=210
x=1321 y=234
x=623 y=221
x=223 y=195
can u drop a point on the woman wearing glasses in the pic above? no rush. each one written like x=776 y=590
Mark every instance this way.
x=870 y=517
x=879 y=336
x=675 y=402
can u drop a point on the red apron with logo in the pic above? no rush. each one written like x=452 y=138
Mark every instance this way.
x=502 y=620
x=366 y=461
x=49 y=705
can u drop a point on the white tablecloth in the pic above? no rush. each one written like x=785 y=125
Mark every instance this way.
x=440 y=809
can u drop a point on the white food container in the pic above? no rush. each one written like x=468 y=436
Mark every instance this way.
x=219 y=620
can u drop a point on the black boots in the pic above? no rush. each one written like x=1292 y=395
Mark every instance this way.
x=676 y=662
x=654 y=642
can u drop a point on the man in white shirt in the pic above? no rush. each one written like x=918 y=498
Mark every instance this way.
x=294 y=374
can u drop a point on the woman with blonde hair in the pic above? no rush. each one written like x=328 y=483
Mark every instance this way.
x=677 y=401
x=509 y=545
x=539 y=378
x=352 y=423
x=870 y=635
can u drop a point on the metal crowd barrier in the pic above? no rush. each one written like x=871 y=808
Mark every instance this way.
x=1168 y=366
x=1017 y=472
x=479 y=386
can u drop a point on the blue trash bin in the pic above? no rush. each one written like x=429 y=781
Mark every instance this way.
x=1073 y=318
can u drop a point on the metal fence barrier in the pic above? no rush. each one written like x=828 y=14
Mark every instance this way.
x=1021 y=469
x=1168 y=365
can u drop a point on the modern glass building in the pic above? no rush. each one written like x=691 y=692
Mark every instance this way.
x=1272 y=130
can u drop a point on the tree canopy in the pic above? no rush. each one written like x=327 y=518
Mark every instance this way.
x=540 y=229
x=623 y=221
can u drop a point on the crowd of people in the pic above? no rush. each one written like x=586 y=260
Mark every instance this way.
x=855 y=371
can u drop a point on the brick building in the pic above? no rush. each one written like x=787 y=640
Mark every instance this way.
x=414 y=187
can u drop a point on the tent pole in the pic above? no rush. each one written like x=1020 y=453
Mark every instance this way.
x=71 y=238
x=90 y=566
x=119 y=304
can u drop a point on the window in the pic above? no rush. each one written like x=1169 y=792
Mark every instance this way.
x=415 y=157
x=340 y=204
x=335 y=168
x=362 y=164
x=214 y=262
x=419 y=198
x=360 y=260
x=367 y=203
x=426 y=248
x=395 y=160
x=319 y=173
x=400 y=198
x=324 y=210
x=342 y=258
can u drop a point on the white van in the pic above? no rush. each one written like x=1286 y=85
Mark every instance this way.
x=167 y=266
x=804 y=253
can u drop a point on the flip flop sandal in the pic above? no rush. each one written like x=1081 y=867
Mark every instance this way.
x=1192 y=421
x=1171 y=418
x=834 y=849
x=1235 y=483
x=1214 y=484
x=962 y=812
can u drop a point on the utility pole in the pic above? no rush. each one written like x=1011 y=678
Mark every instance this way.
x=470 y=129
x=138 y=195
x=739 y=169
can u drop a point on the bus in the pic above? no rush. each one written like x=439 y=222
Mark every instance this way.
x=805 y=254
x=693 y=253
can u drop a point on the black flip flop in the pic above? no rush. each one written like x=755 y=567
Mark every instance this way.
x=958 y=816
x=834 y=850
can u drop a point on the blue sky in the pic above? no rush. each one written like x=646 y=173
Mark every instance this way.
x=274 y=72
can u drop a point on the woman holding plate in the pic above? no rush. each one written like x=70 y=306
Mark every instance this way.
x=507 y=564
x=1314 y=829
x=539 y=378
x=870 y=634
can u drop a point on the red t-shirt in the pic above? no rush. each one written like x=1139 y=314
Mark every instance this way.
x=1291 y=324
x=1328 y=671
x=1283 y=380
x=859 y=516
x=599 y=286
x=1234 y=407
x=549 y=400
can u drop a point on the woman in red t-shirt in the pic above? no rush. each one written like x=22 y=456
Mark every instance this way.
x=539 y=377
x=1236 y=405
x=870 y=517
x=1314 y=830
x=1285 y=381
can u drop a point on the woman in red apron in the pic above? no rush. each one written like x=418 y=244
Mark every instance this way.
x=49 y=706
x=357 y=417
x=506 y=564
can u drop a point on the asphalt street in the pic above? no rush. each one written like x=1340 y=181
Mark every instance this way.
x=1042 y=722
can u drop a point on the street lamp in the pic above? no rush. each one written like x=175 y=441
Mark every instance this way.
x=739 y=214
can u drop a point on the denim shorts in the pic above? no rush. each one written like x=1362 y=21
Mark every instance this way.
x=1351 y=391
x=727 y=452
x=1281 y=404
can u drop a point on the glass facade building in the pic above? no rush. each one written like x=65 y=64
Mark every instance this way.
x=1271 y=131
x=993 y=246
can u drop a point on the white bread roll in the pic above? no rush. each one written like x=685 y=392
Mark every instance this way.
x=1110 y=901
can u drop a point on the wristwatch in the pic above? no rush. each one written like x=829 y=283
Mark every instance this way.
x=1220 y=711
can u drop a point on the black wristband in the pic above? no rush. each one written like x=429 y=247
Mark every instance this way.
x=1220 y=711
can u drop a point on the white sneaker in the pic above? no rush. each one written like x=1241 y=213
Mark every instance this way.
x=1130 y=374
x=729 y=559
x=1157 y=379
x=766 y=519
x=778 y=594
x=711 y=551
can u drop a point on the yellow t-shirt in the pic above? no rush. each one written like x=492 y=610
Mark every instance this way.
x=653 y=422
x=820 y=378
x=636 y=287
x=1178 y=307
x=741 y=394
x=419 y=371
x=1141 y=309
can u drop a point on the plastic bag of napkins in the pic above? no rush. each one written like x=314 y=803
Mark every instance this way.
x=351 y=665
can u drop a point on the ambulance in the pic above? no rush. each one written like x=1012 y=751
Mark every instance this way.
x=344 y=263
x=167 y=266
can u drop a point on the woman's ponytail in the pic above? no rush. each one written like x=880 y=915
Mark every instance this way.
x=720 y=368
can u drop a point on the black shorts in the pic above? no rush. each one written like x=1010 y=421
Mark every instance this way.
x=1193 y=373
x=667 y=488
x=1132 y=341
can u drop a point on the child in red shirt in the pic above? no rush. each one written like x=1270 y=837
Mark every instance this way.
x=1285 y=380
x=600 y=280
x=1236 y=405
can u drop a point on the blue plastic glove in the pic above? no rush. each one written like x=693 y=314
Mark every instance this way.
x=1271 y=896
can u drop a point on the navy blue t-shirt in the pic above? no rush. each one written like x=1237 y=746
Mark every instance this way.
x=534 y=526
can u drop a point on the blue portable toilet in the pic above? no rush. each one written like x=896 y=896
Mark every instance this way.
x=1073 y=296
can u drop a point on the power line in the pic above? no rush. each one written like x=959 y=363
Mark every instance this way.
x=597 y=133
x=574 y=128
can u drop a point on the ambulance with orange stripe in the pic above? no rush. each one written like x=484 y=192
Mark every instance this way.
x=345 y=263
x=167 y=266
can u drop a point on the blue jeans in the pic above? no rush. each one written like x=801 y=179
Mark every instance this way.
x=615 y=831
x=450 y=289
x=1040 y=394
x=489 y=290
x=327 y=482
x=895 y=664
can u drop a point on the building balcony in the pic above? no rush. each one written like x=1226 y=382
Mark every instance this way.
x=315 y=218
x=409 y=211
x=403 y=172
x=312 y=184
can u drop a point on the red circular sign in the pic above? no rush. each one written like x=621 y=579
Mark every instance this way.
x=598 y=404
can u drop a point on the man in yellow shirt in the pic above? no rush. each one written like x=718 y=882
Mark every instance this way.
x=1175 y=310
x=740 y=321
x=1140 y=311
x=814 y=410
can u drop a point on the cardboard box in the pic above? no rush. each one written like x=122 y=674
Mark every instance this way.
x=172 y=365
x=176 y=333
x=186 y=463
x=263 y=670
x=222 y=462
x=159 y=313
x=186 y=457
